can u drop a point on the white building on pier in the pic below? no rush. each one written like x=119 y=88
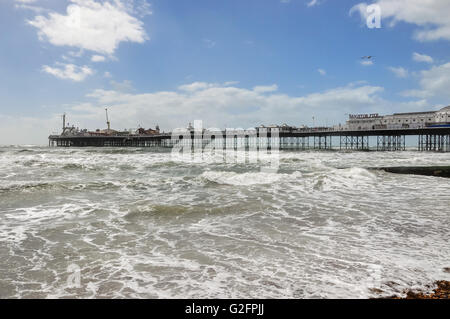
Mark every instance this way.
x=411 y=120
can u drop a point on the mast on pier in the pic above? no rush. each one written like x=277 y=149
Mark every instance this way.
x=107 y=120
x=64 y=123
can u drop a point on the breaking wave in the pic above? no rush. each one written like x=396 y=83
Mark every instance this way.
x=246 y=179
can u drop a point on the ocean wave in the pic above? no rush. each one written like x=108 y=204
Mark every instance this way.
x=148 y=211
x=245 y=179
x=349 y=178
x=141 y=225
x=29 y=187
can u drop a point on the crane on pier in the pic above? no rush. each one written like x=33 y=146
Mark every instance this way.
x=107 y=120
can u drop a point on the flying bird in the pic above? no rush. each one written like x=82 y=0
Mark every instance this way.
x=368 y=57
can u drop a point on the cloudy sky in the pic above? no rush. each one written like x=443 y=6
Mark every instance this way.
x=234 y=63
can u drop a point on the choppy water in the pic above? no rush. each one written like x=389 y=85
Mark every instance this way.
x=138 y=224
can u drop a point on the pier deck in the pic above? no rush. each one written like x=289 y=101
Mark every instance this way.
x=429 y=139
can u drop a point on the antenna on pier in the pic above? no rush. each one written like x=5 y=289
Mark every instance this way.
x=64 y=122
x=107 y=119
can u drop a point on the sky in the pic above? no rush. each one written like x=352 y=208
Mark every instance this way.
x=231 y=64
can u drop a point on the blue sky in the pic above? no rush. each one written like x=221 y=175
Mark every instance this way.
x=229 y=63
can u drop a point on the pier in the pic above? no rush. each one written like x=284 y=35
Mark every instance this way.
x=428 y=139
x=362 y=132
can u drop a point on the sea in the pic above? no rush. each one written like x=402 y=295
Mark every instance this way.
x=140 y=223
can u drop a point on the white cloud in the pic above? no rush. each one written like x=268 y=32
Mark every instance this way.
x=76 y=54
x=69 y=71
x=29 y=5
x=195 y=86
x=124 y=86
x=91 y=25
x=265 y=88
x=322 y=71
x=366 y=63
x=399 y=72
x=98 y=58
x=434 y=82
x=140 y=8
x=430 y=16
x=217 y=105
x=229 y=83
x=312 y=3
x=209 y=43
x=422 y=58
